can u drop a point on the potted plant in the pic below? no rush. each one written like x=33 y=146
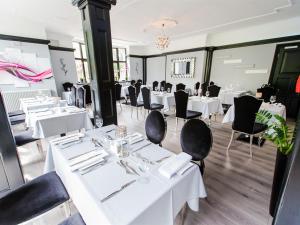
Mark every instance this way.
x=282 y=136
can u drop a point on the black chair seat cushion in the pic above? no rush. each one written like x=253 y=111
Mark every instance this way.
x=258 y=127
x=155 y=127
x=24 y=137
x=155 y=106
x=32 y=199
x=192 y=114
x=16 y=113
x=196 y=139
x=76 y=219
x=14 y=120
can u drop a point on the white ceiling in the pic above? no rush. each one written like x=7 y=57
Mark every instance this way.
x=129 y=18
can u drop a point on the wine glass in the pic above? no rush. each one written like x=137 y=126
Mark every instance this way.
x=121 y=134
x=162 y=89
x=156 y=88
x=273 y=99
x=207 y=93
x=195 y=92
x=98 y=121
x=169 y=90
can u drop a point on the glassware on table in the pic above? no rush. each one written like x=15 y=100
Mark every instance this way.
x=195 y=92
x=273 y=99
x=98 y=121
x=162 y=89
x=156 y=88
x=169 y=90
x=121 y=143
x=207 y=93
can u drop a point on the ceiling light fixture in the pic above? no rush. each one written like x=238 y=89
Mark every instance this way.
x=162 y=41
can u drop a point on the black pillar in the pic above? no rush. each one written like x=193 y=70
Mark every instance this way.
x=208 y=62
x=97 y=36
x=144 y=70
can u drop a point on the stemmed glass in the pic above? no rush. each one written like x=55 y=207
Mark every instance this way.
x=207 y=93
x=156 y=88
x=98 y=121
x=273 y=99
x=121 y=134
x=169 y=90
x=162 y=89
x=195 y=92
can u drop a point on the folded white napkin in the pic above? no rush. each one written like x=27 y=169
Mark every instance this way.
x=74 y=110
x=173 y=165
x=87 y=156
x=38 y=110
x=87 y=162
x=66 y=138
x=46 y=113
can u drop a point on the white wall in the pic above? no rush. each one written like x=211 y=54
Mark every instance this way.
x=253 y=57
x=199 y=66
x=155 y=69
x=135 y=68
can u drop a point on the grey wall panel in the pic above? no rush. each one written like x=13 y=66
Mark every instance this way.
x=155 y=69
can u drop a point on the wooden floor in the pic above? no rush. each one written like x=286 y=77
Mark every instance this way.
x=238 y=187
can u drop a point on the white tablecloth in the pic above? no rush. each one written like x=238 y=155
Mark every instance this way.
x=152 y=199
x=205 y=105
x=45 y=126
x=272 y=108
x=124 y=91
x=227 y=96
x=66 y=95
x=27 y=104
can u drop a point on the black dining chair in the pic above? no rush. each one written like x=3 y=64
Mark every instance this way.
x=154 y=85
x=33 y=199
x=245 y=109
x=88 y=94
x=147 y=101
x=25 y=137
x=181 y=101
x=67 y=86
x=81 y=92
x=197 y=86
x=16 y=118
x=180 y=86
x=214 y=90
x=132 y=82
x=169 y=87
x=196 y=140
x=156 y=127
x=118 y=88
x=203 y=88
x=140 y=81
x=73 y=96
x=266 y=93
x=162 y=85
x=137 y=88
x=133 y=100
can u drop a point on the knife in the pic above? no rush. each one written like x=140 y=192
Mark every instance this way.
x=116 y=192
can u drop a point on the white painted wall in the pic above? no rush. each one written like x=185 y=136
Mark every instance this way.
x=61 y=40
x=135 y=68
x=155 y=69
x=253 y=57
x=199 y=66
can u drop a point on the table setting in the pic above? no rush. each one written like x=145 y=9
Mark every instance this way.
x=161 y=97
x=117 y=177
x=227 y=96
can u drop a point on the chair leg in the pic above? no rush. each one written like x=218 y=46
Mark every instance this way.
x=67 y=208
x=40 y=147
x=251 y=140
x=137 y=112
x=232 y=136
x=202 y=167
x=120 y=105
x=131 y=111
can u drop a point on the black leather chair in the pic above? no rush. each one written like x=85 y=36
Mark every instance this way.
x=132 y=82
x=76 y=219
x=266 y=93
x=245 y=109
x=154 y=85
x=32 y=199
x=203 y=88
x=181 y=100
x=118 y=88
x=169 y=86
x=137 y=88
x=133 y=100
x=196 y=140
x=213 y=90
x=88 y=94
x=147 y=101
x=140 y=81
x=156 y=127
x=73 y=96
x=180 y=86
x=81 y=92
x=162 y=85
x=67 y=86
x=17 y=119
x=16 y=113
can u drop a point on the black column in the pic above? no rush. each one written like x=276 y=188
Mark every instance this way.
x=208 y=62
x=97 y=36
x=144 y=70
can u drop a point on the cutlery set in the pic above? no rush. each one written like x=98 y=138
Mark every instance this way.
x=117 y=191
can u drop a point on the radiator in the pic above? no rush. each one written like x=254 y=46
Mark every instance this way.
x=12 y=98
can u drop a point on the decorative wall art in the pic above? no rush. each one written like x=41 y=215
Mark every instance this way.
x=63 y=66
x=183 y=67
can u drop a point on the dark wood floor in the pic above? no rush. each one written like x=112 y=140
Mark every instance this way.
x=238 y=187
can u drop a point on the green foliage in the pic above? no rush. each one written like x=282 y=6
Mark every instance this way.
x=278 y=132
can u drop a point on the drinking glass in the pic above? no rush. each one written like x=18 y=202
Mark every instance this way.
x=162 y=89
x=98 y=121
x=156 y=88
x=121 y=134
x=195 y=92
x=169 y=90
x=207 y=93
x=273 y=99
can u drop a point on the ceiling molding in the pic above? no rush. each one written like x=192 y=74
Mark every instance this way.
x=24 y=39
x=57 y=48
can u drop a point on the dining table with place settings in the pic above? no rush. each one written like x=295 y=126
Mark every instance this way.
x=206 y=105
x=164 y=98
x=47 y=122
x=147 y=186
x=275 y=108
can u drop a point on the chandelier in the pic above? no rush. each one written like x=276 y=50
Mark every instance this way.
x=162 y=41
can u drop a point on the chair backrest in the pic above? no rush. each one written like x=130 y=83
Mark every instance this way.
x=267 y=92
x=88 y=94
x=118 y=88
x=73 y=96
x=154 y=85
x=132 y=82
x=140 y=81
x=137 y=88
x=132 y=96
x=181 y=101
x=213 y=90
x=180 y=86
x=155 y=127
x=245 y=109
x=211 y=83
x=162 y=85
x=197 y=86
x=81 y=92
x=196 y=139
x=67 y=86
x=146 y=98
x=169 y=86
x=204 y=88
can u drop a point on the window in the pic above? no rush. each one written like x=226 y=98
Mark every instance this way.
x=81 y=62
x=120 y=65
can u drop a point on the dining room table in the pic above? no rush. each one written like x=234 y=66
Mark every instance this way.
x=49 y=122
x=108 y=188
x=227 y=96
x=161 y=97
x=206 y=105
